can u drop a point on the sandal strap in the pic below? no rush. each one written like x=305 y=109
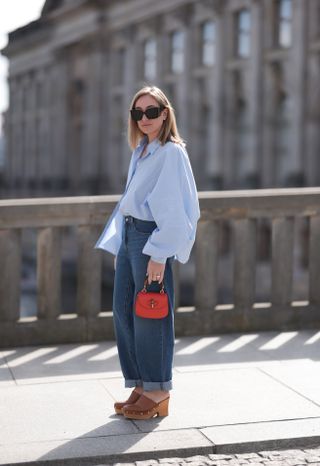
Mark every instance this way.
x=134 y=396
x=145 y=404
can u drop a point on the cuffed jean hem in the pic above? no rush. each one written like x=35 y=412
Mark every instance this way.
x=128 y=383
x=150 y=386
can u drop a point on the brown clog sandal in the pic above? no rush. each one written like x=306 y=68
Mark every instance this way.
x=118 y=405
x=145 y=408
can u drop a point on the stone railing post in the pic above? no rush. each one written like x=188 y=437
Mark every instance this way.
x=10 y=259
x=206 y=276
x=282 y=262
x=49 y=273
x=89 y=273
x=314 y=261
x=244 y=265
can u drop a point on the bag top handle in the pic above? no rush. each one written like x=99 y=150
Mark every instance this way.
x=144 y=289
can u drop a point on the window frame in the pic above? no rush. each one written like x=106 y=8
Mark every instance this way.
x=207 y=44
x=147 y=55
x=242 y=33
x=282 y=21
x=177 y=50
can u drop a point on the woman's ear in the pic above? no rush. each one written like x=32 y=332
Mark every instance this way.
x=165 y=114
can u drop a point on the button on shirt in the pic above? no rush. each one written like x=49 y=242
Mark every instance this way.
x=160 y=187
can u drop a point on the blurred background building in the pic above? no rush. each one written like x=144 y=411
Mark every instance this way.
x=243 y=76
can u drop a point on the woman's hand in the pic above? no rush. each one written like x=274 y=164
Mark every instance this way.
x=154 y=269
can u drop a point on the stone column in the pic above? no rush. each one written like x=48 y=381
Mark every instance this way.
x=30 y=139
x=39 y=91
x=46 y=127
x=183 y=97
x=91 y=149
x=268 y=154
x=313 y=122
x=229 y=133
x=117 y=162
x=129 y=85
x=162 y=51
x=255 y=89
x=55 y=159
x=217 y=97
x=24 y=135
x=10 y=129
x=298 y=85
x=17 y=160
x=106 y=168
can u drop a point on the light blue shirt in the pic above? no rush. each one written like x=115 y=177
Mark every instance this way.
x=160 y=187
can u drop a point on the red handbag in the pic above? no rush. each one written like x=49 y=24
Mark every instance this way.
x=151 y=305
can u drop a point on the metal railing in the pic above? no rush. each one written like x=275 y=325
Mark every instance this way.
x=87 y=215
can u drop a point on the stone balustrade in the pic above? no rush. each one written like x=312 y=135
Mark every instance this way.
x=87 y=215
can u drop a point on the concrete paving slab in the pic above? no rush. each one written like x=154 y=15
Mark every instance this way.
x=58 y=411
x=305 y=378
x=302 y=344
x=225 y=397
x=254 y=437
x=111 y=449
x=226 y=366
x=228 y=349
x=67 y=378
x=6 y=378
x=255 y=349
x=64 y=362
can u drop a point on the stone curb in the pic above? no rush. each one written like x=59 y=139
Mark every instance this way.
x=92 y=451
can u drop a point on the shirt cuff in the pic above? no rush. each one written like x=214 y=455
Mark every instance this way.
x=162 y=260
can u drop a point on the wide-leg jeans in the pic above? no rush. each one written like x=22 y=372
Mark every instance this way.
x=145 y=346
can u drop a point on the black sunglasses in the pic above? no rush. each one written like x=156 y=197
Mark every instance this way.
x=151 y=113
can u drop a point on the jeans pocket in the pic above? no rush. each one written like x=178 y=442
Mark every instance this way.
x=143 y=228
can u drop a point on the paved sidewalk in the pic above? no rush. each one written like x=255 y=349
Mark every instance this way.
x=233 y=394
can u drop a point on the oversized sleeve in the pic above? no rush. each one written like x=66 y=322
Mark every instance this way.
x=111 y=236
x=175 y=208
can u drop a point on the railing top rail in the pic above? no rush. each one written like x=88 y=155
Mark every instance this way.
x=261 y=193
x=94 y=210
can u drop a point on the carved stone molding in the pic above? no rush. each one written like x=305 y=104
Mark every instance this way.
x=216 y=5
x=183 y=14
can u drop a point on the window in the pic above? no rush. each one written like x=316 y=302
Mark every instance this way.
x=208 y=43
x=243 y=29
x=284 y=22
x=177 y=52
x=150 y=59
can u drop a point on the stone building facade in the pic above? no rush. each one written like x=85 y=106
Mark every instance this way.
x=243 y=76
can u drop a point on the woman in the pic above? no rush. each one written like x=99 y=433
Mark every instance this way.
x=153 y=223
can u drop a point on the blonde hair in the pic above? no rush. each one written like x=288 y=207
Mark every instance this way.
x=168 y=131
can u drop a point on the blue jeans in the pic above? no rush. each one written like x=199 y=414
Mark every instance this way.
x=145 y=346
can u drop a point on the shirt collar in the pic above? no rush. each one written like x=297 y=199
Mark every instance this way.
x=151 y=147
